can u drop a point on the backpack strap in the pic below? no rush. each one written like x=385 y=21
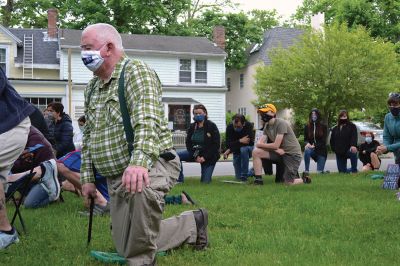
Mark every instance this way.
x=124 y=110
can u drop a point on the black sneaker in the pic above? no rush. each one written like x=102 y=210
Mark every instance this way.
x=258 y=181
x=306 y=178
x=201 y=219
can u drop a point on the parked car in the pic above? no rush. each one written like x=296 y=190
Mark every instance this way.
x=363 y=127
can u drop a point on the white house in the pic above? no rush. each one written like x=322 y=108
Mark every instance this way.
x=240 y=82
x=191 y=70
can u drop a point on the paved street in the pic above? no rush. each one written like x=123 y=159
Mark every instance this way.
x=225 y=168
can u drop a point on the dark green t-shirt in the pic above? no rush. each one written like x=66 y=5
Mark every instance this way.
x=198 y=137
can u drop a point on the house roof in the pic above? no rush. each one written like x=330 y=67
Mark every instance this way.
x=152 y=43
x=273 y=38
x=44 y=52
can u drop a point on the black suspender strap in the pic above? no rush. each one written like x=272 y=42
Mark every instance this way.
x=124 y=110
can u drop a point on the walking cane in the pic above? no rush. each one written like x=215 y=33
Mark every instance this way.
x=91 y=208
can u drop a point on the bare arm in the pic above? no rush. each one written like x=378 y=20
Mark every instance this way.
x=270 y=146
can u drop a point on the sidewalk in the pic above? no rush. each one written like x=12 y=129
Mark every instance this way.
x=225 y=167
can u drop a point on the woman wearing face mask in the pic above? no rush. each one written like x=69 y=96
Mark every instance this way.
x=367 y=153
x=78 y=137
x=202 y=144
x=344 y=143
x=315 y=135
x=391 y=129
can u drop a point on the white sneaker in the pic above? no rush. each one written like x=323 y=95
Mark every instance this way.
x=6 y=239
x=50 y=180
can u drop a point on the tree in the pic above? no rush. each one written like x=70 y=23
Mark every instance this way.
x=241 y=30
x=128 y=16
x=381 y=17
x=337 y=69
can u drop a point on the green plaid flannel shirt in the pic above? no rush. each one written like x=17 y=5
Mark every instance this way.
x=104 y=141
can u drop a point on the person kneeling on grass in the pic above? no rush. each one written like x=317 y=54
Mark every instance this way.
x=44 y=187
x=367 y=153
x=284 y=145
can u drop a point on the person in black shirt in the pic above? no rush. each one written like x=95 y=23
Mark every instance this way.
x=202 y=144
x=344 y=143
x=367 y=153
x=240 y=142
x=315 y=135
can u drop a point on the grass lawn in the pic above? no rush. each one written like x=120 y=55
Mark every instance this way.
x=337 y=220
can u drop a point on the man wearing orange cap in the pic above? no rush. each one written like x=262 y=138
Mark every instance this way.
x=284 y=146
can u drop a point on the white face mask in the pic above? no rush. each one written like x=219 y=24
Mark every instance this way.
x=81 y=128
x=92 y=59
x=368 y=139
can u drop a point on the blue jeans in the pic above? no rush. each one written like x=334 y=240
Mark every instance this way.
x=341 y=161
x=206 y=168
x=321 y=160
x=36 y=196
x=241 y=162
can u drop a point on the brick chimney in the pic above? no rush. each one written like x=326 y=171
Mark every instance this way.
x=52 y=14
x=219 y=36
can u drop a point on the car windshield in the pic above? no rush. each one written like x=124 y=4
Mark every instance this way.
x=367 y=126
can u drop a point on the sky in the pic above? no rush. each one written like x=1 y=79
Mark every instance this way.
x=284 y=8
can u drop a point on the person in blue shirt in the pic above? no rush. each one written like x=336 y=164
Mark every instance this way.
x=391 y=129
x=14 y=130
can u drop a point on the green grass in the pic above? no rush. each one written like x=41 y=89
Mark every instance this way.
x=337 y=220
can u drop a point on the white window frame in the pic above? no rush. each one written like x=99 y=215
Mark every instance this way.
x=193 y=71
x=200 y=71
x=47 y=100
x=242 y=111
x=7 y=48
x=241 y=81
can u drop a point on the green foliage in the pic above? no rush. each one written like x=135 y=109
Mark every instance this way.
x=164 y=17
x=337 y=69
x=241 y=30
x=338 y=219
x=381 y=17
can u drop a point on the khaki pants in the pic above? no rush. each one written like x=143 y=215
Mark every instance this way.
x=138 y=230
x=12 y=143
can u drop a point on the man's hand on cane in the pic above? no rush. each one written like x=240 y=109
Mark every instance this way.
x=89 y=190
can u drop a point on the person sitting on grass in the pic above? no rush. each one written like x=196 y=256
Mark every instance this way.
x=284 y=146
x=367 y=153
x=44 y=187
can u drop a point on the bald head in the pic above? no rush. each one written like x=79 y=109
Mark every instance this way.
x=103 y=33
x=102 y=49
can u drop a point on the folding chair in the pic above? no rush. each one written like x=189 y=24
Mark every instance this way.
x=22 y=186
